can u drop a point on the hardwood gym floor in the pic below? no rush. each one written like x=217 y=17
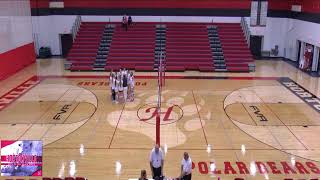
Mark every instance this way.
x=260 y=125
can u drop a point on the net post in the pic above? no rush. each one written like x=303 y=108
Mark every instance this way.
x=159 y=99
x=158 y=129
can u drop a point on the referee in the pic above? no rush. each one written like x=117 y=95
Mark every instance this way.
x=156 y=162
x=186 y=167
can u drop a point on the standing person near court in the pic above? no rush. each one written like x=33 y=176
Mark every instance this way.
x=132 y=83
x=129 y=21
x=121 y=87
x=111 y=78
x=112 y=86
x=186 y=167
x=125 y=22
x=125 y=85
x=129 y=86
x=117 y=86
x=156 y=162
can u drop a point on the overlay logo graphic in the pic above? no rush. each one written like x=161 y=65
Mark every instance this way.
x=21 y=158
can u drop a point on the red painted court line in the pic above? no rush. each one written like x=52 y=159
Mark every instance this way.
x=18 y=89
x=253 y=78
x=169 y=77
x=115 y=130
x=204 y=133
x=106 y=77
x=20 y=85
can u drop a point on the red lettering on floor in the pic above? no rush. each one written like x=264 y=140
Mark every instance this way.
x=228 y=167
x=203 y=167
x=273 y=168
x=215 y=171
x=313 y=167
x=262 y=167
x=242 y=168
x=301 y=168
x=287 y=168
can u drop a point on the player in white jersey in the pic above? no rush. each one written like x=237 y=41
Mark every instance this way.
x=131 y=85
x=125 y=85
x=110 y=85
x=117 y=85
x=121 y=89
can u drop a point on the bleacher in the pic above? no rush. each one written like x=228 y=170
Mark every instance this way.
x=235 y=49
x=187 y=46
x=132 y=49
x=85 y=47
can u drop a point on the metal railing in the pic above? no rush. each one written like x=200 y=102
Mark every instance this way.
x=246 y=30
x=247 y=33
x=75 y=27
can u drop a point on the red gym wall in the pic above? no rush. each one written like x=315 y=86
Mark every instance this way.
x=16 y=59
x=311 y=6
x=308 y=6
x=214 y=4
x=16 y=43
x=39 y=3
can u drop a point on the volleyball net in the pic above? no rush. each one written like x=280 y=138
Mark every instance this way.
x=161 y=83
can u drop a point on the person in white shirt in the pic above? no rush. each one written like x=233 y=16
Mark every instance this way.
x=131 y=85
x=186 y=167
x=117 y=86
x=156 y=162
x=112 y=86
x=125 y=86
x=110 y=78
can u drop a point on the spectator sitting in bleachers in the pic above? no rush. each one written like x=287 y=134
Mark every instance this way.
x=125 y=22
x=129 y=21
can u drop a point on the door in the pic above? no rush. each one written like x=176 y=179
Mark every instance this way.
x=299 y=52
x=319 y=60
x=255 y=45
x=66 y=43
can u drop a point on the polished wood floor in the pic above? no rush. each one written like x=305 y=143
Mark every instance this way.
x=234 y=125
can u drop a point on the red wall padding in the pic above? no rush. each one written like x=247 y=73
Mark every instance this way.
x=39 y=3
x=311 y=6
x=278 y=5
x=213 y=4
x=16 y=59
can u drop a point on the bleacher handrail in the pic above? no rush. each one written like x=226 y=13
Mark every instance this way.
x=75 y=27
x=246 y=30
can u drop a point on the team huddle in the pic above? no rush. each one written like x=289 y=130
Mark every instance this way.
x=122 y=86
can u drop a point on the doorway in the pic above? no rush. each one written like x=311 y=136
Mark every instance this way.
x=256 y=46
x=66 y=43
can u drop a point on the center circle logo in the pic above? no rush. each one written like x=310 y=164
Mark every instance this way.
x=169 y=113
